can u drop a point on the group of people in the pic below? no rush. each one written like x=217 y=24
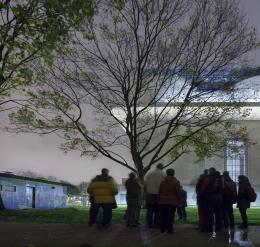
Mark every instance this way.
x=216 y=195
x=164 y=195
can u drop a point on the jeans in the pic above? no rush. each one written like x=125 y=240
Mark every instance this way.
x=182 y=213
x=133 y=211
x=107 y=213
x=228 y=215
x=214 y=212
x=152 y=214
x=243 y=216
x=167 y=214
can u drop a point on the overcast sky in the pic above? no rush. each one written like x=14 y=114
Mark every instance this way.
x=252 y=10
x=41 y=154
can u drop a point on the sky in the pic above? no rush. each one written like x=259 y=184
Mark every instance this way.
x=41 y=155
x=252 y=10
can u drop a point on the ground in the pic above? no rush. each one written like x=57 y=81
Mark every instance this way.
x=17 y=234
x=68 y=228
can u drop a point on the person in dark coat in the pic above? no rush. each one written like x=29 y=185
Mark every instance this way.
x=181 y=210
x=243 y=202
x=229 y=198
x=133 y=199
x=201 y=201
x=212 y=189
x=169 y=200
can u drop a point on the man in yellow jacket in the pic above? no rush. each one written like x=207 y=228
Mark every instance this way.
x=102 y=190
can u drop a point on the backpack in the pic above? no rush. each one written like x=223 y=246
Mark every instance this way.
x=251 y=195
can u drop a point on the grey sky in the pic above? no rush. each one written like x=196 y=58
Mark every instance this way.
x=41 y=154
x=252 y=10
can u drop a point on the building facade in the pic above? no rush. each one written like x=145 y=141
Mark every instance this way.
x=19 y=192
x=239 y=157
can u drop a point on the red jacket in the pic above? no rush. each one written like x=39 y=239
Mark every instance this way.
x=170 y=191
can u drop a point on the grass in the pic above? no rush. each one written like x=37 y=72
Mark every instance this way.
x=79 y=214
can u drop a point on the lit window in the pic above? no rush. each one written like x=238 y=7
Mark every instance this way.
x=236 y=159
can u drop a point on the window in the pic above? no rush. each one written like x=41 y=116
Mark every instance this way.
x=10 y=188
x=1 y=187
x=236 y=163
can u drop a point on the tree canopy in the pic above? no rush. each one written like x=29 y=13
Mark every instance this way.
x=140 y=68
x=32 y=30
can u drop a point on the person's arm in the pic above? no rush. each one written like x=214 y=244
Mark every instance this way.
x=114 y=187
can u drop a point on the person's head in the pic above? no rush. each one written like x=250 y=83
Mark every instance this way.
x=243 y=179
x=132 y=175
x=226 y=175
x=212 y=170
x=217 y=173
x=104 y=172
x=159 y=166
x=170 y=172
x=206 y=172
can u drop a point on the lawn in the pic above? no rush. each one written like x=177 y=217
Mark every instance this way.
x=80 y=215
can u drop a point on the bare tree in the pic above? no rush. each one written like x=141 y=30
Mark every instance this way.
x=142 y=70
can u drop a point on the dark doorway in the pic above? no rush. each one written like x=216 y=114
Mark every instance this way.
x=30 y=195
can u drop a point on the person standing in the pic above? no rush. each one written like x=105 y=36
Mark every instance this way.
x=133 y=199
x=102 y=189
x=169 y=200
x=229 y=198
x=243 y=202
x=212 y=189
x=181 y=210
x=201 y=201
x=151 y=188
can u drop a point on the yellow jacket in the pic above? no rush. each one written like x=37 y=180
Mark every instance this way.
x=103 y=190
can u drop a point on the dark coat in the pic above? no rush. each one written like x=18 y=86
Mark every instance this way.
x=230 y=192
x=242 y=197
x=170 y=191
x=133 y=189
x=200 y=196
x=212 y=189
x=183 y=198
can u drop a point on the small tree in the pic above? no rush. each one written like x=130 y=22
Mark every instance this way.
x=141 y=70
